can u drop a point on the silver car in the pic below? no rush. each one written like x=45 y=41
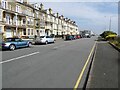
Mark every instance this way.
x=44 y=40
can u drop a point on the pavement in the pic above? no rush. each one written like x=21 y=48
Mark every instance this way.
x=46 y=66
x=104 y=71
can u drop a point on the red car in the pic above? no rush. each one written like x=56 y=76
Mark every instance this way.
x=77 y=36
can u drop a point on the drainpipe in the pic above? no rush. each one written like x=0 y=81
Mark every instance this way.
x=16 y=24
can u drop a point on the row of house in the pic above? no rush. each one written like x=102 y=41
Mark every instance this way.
x=25 y=20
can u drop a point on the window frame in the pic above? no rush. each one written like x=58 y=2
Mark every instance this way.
x=28 y=31
x=24 y=32
x=4 y=4
x=32 y=32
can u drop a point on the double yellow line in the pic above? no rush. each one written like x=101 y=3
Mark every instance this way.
x=82 y=72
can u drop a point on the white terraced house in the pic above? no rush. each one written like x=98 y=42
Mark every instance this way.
x=19 y=18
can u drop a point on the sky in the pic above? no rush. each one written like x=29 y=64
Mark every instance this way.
x=88 y=14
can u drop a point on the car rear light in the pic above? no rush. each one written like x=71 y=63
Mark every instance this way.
x=3 y=44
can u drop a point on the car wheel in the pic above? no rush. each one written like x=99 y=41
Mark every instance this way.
x=29 y=44
x=46 y=42
x=12 y=47
x=54 y=41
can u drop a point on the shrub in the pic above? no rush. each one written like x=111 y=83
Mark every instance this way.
x=107 y=33
x=118 y=39
x=111 y=37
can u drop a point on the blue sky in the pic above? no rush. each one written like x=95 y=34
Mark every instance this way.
x=94 y=16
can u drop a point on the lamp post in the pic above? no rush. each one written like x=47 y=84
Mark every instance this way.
x=110 y=21
x=105 y=24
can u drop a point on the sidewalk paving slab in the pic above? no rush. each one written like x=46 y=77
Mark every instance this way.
x=104 y=71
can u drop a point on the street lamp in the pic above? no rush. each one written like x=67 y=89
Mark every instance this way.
x=110 y=21
x=105 y=24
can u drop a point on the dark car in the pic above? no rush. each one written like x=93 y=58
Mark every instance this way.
x=73 y=37
x=13 y=43
x=69 y=37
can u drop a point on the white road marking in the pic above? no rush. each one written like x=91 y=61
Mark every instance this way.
x=19 y=57
x=58 y=47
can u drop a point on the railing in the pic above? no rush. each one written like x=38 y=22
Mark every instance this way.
x=48 y=27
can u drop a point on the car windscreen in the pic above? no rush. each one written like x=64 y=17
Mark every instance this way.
x=42 y=36
x=9 y=39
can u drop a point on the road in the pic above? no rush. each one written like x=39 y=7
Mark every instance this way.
x=46 y=66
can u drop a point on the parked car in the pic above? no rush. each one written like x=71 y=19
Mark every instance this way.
x=44 y=40
x=87 y=36
x=68 y=37
x=13 y=43
x=78 y=37
x=73 y=37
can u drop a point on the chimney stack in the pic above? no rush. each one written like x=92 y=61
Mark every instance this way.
x=41 y=6
x=57 y=14
x=50 y=10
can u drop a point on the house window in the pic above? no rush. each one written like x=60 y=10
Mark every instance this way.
x=28 y=21
x=37 y=24
x=18 y=8
x=31 y=31
x=14 y=20
x=31 y=21
x=10 y=7
x=28 y=31
x=7 y=19
x=24 y=21
x=37 y=14
x=14 y=32
x=37 y=32
x=20 y=1
x=24 y=32
x=4 y=4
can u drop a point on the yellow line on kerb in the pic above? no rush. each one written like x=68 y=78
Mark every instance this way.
x=82 y=72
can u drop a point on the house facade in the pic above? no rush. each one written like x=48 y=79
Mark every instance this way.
x=19 y=18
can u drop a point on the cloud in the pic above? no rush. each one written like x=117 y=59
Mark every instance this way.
x=73 y=0
x=88 y=15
